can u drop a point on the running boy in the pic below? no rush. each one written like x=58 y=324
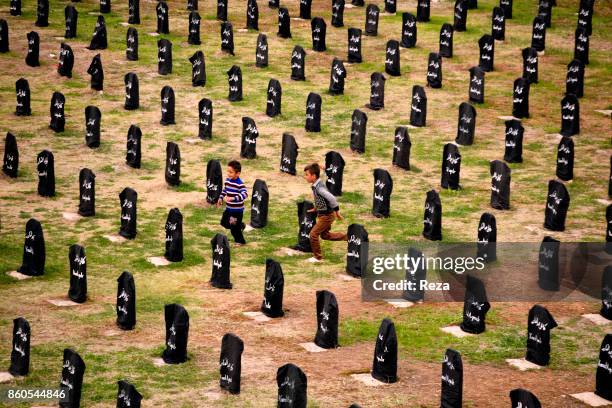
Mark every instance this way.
x=326 y=206
x=234 y=193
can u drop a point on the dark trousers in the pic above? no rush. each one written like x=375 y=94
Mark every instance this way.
x=232 y=220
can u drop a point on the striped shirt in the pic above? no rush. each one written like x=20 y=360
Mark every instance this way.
x=236 y=192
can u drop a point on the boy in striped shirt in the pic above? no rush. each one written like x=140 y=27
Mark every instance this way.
x=234 y=193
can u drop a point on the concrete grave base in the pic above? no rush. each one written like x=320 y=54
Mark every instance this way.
x=18 y=276
x=257 y=316
x=158 y=261
x=456 y=331
x=368 y=380
x=71 y=216
x=400 y=303
x=115 y=238
x=6 y=377
x=597 y=319
x=62 y=302
x=522 y=364
x=312 y=348
x=592 y=399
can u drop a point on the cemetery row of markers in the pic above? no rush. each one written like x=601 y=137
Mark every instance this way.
x=291 y=380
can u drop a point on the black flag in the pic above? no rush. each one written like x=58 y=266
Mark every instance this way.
x=475 y=306
x=133 y=11
x=337 y=16
x=539 y=324
x=73 y=369
x=221 y=262
x=214 y=181
x=538 y=34
x=167 y=106
x=381 y=197
x=173 y=164
x=72 y=16
x=498 y=24
x=318 y=28
x=177 y=333
x=164 y=56
x=227 y=37
x=132 y=156
x=520 y=98
x=371 y=23
x=306 y=220
x=205 y=123
x=273 y=102
x=234 y=78
x=33 y=262
x=46 y=173
x=327 y=320
x=358 y=131
x=337 y=76
x=500 y=185
x=423 y=10
x=298 y=64
x=446 y=40
x=401 y=148
x=162 y=18
x=289 y=154
x=357 y=250
x=193 y=38
x=530 y=65
x=272 y=305
x=127 y=395
x=93 y=119
x=434 y=70
x=460 y=15
x=174 y=236
x=477 y=85
x=334 y=171
x=487 y=52
x=574 y=81
x=42 y=13
x=570 y=115
x=487 y=237
x=98 y=39
x=384 y=365
x=22 y=93
x=248 y=146
x=97 y=73
x=78 y=274
x=603 y=375
x=58 y=119
x=313 y=113
x=565 y=159
x=452 y=380
x=252 y=15
x=284 y=23
x=377 y=91
x=259 y=204
x=451 y=167
x=432 y=217
x=261 y=51
x=230 y=361
x=126 y=301
x=87 y=193
x=20 y=353
x=523 y=398
x=131 y=44
x=292 y=387
x=10 y=162
x=198 y=69
x=354 y=45
x=392 y=60
x=513 y=152
x=466 y=125
x=31 y=58
x=418 y=107
x=557 y=203
x=127 y=200
x=409 y=30
x=132 y=94
x=548 y=264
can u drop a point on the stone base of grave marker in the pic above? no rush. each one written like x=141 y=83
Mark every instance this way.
x=158 y=261
x=348 y=278
x=456 y=331
x=400 y=303
x=193 y=140
x=292 y=252
x=368 y=380
x=597 y=319
x=257 y=316
x=18 y=275
x=123 y=23
x=522 y=364
x=153 y=34
x=592 y=399
x=71 y=216
x=606 y=112
x=159 y=362
x=62 y=302
x=312 y=348
x=604 y=202
x=5 y=377
x=115 y=238
x=248 y=228
x=507 y=118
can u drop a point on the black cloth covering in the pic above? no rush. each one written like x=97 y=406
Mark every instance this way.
x=20 y=352
x=500 y=185
x=306 y=220
x=371 y=23
x=234 y=78
x=565 y=159
x=446 y=40
x=434 y=70
x=126 y=301
x=193 y=38
x=451 y=167
x=539 y=324
x=358 y=131
x=354 y=45
x=530 y=64
x=173 y=164
x=476 y=90
x=319 y=30
x=574 y=80
x=127 y=395
x=73 y=369
x=327 y=320
x=248 y=146
x=357 y=250
x=56 y=111
x=570 y=115
x=132 y=93
x=87 y=193
x=381 y=196
x=272 y=305
x=167 y=106
x=334 y=171
x=603 y=375
x=337 y=76
x=274 y=99
x=31 y=58
x=214 y=181
x=261 y=51
x=46 y=173
x=260 y=198
x=198 y=69
x=466 y=125
x=162 y=18
x=221 y=262
x=418 y=107
x=22 y=94
x=133 y=147
x=128 y=200
x=520 y=98
x=401 y=148
x=97 y=73
x=513 y=152
x=174 y=236
x=177 y=333
x=230 y=360
x=292 y=387
x=298 y=64
x=432 y=217
x=487 y=238
x=93 y=122
x=451 y=392
x=289 y=154
x=557 y=204
x=475 y=306
x=284 y=23
x=99 y=38
x=131 y=44
x=227 y=37
x=523 y=398
x=313 y=113
x=377 y=91
x=71 y=16
x=164 y=57
x=33 y=263
x=548 y=264
x=384 y=365
x=10 y=161
x=78 y=274
x=409 y=30
x=252 y=15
